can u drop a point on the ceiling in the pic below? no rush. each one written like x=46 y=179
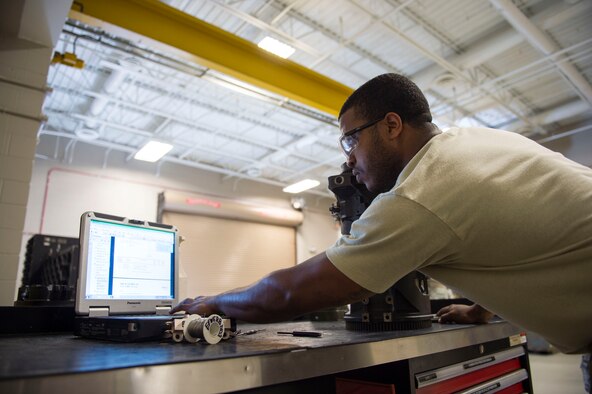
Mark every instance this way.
x=524 y=66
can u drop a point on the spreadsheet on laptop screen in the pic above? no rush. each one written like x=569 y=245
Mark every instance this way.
x=129 y=262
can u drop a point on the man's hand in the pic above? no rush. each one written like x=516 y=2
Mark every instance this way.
x=464 y=314
x=197 y=305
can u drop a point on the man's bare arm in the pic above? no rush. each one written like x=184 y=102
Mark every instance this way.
x=312 y=285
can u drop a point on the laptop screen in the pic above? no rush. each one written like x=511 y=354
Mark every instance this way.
x=129 y=262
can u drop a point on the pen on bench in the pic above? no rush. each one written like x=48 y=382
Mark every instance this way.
x=250 y=332
x=314 y=334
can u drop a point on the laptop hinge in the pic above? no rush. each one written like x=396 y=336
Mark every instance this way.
x=94 y=311
x=163 y=310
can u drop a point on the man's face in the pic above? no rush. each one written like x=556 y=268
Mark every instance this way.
x=374 y=161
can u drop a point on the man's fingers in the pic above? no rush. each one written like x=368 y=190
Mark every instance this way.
x=444 y=310
x=446 y=318
x=182 y=306
x=176 y=308
x=195 y=305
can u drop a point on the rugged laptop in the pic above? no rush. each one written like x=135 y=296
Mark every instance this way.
x=128 y=278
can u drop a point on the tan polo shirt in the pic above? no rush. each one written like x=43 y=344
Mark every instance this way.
x=495 y=216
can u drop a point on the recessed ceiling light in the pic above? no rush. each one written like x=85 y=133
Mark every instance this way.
x=153 y=151
x=301 y=186
x=276 y=47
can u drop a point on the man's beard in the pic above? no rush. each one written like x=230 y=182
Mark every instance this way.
x=385 y=166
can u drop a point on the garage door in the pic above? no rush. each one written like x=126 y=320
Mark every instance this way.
x=221 y=254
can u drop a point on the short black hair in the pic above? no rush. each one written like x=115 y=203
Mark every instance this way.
x=389 y=93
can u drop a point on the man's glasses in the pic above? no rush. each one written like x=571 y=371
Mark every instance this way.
x=349 y=140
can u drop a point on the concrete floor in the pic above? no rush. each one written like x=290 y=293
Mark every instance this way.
x=556 y=373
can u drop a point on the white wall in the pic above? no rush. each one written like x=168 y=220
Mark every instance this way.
x=28 y=31
x=91 y=180
x=577 y=147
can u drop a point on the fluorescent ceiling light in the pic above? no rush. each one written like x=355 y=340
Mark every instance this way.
x=301 y=186
x=153 y=151
x=276 y=47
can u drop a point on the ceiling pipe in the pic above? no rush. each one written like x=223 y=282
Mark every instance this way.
x=520 y=75
x=557 y=114
x=541 y=67
x=564 y=134
x=574 y=9
x=478 y=105
x=499 y=42
x=110 y=86
x=544 y=44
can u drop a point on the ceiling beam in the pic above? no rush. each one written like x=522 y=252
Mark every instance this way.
x=542 y=42
x=214 y=48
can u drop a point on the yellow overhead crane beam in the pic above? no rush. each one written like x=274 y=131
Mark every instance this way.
x=214 y=48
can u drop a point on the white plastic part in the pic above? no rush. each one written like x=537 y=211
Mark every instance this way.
x=178 y=337
x=210 y=329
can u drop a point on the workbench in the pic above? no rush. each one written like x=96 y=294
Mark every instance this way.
x=262 y=362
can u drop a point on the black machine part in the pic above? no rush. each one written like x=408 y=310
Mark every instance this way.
x=50 y=271
x=45 y=301
x=47 y=260
x=404 y=306
x=352 y=198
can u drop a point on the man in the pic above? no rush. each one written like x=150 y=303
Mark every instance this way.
x=490 y=213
